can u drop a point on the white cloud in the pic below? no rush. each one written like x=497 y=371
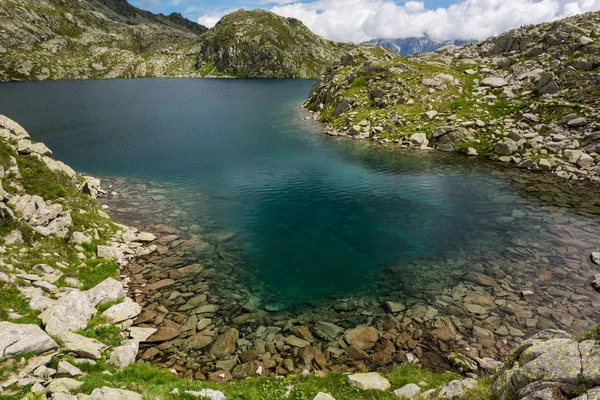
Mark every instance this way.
x=360 y=20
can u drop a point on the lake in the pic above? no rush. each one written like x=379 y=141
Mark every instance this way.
x=300 y=219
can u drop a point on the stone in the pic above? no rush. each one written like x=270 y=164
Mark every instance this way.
x=547 y=84
x=124 y=355
x=323 y=396
x=14 y=128
x=141 y=334
x=429 y=115
x=80 y=238
x=106 y=291
x=296 y=342
x=368 y=381
x=16 y=339
x=362 y=337
x=163 y=334
x=394 y=306
x=585 y=161
x=328 y=329
x=419 y=139
x=6 y=213
x=81 y=345
x=111 y=253
x=595 y=257
x=225 y=343
x=494 y=82
x=71 y=312
x=548 y=358
x=577 y=122
x=409 y=391
x=67 y=370
x=572 y=155
x=456 y=389
x=63 y=385
x=107 y=393
x=208 y=394
x=506 y=147
x=462 y=363
x=596 y=283
x=15 y=237
x=123 y=311
x=480 y=279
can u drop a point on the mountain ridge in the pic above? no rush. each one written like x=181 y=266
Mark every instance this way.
x=414 y=45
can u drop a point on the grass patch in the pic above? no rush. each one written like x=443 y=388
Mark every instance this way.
x=98 y=328
x=12 y=299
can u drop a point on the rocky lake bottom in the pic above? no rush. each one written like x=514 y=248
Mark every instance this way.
x=281 y=249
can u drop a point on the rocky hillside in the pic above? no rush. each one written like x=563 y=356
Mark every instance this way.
x=68 y=39
x=415 y=45
x=530 y=97
x=261 y=44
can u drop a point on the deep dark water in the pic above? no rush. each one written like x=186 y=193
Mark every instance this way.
x=317 y=216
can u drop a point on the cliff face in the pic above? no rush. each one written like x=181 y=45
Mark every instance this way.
x=529 y=97
x=261 y=44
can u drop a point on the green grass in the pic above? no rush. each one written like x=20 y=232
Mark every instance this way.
x=155 y=383
x=12 y=299
x=98 y=328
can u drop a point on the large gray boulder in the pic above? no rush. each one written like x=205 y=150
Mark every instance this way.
x=506 y=147
x=82 y=346
x=106 y=291
x=552 y=359
x=71 y=312
x=368 y=381
x=124 y=355
x=107 y=393
x=17 y=339
x=123 y=311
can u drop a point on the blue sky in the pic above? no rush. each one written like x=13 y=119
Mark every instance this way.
x=360 y=20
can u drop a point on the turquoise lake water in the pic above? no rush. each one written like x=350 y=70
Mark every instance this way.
x=317 y=215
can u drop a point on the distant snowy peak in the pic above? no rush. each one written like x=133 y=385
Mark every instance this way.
x=414 y=45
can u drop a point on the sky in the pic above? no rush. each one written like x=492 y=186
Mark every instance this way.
x=361 y=20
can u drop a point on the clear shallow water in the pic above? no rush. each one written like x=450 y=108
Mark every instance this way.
x=314 y=216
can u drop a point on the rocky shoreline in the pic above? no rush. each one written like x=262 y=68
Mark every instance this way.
x=181 y=319
x=215 y=329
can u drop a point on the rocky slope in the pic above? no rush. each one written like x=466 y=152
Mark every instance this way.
x=68 y=39
x=528 y=97
x=415 y=45
x=261 y=44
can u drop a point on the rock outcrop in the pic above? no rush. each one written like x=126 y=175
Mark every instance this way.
x=527 y=97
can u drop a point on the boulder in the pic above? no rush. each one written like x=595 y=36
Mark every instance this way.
x=71 y=312
x=368 y=381
x=494 y=82
x=293 y=341
x=13 y=128
x=419 y=139
x=323 y=396
x=550 y=359
x=409 y=391
x=595 y=257
x=107 y=393
x=141 y=334
x=63 y=385
x=596 y=283
x=111 y=253
x=67 y=370
x=506 y=147
x=362 y=337
x=106 y=291
x=547 y=84
x=585 y=161
x=80 y=238
x=123 y=311
x=577 y=122
x=456 y=389
x=124 y=355
x=16 y=339
x=82 y=346
x=207 y=394
x=225 y=343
